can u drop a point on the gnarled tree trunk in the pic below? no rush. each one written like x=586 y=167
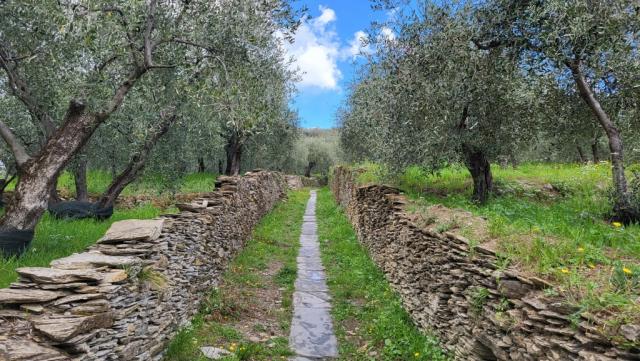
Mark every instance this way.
x=219 y=166
x=480 y=169
x=38 y=175
x=201 y=165
x=234 y=155
x=136 y=164
x=309 y=168
x=80 y=178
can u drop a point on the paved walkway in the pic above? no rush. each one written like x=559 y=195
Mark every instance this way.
x=312 y=336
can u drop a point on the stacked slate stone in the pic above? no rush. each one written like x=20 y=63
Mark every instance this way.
x=479 y=311
x=294 y=182
x=125 y=297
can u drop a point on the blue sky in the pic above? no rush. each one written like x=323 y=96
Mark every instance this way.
x=326 y=50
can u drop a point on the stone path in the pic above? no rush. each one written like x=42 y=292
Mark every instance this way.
x=312 y=336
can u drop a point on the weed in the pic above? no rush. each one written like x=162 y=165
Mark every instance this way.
x=155 y=279
x=479 y=298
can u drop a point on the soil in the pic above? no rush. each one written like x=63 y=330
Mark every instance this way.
x=256 y=310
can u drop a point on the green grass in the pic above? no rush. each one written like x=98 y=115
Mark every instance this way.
x=56 y=238
x=149 y=184
x=565 y=238
x=274 y=240
x=369 y=320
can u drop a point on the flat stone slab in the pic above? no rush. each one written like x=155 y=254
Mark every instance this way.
x=312 y=252
x=308 y=238
x=214 y=353
x=312 y=333
x=52 y=275
x=306 y=285
x=27 y=350
x=311 y=299
x=133 y=229
x=309 y=228
x=28 y=295
x=309 y=264
x=92 y=259
x=313 y=275
x=63 y=328
x=312 y=336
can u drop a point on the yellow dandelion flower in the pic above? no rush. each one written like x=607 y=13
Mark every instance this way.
x=591 y=265
x=617 y=224
x=580 y=249
x=417 y=354
x=627 y=270
x=564 y=270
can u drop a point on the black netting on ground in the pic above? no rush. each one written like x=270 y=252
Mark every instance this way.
x=14 y=242
x=79 y=210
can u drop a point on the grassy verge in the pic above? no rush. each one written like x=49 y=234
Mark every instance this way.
x=565 y=238
x=250 y=313
x=369 y=320
x=56 y=238
x=98 y=181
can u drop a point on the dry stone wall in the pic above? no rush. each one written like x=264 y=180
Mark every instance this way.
x=479 y=311
x=125 y=297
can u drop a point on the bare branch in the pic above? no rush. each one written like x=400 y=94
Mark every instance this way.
x=18 y=150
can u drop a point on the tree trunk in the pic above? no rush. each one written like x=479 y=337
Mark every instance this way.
x=80 y=178
x=136 y=163
x=3 y=185
x=594 y=151
x=581 y=156
x=622 y=208
x=234 y=155
x=220 y=166
x=38 y=175
x=201 y=166
x=54 y=197
x=308 y=168
x=480 y=169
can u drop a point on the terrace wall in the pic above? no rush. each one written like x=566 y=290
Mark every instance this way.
x=478 y=310
x=126 y=296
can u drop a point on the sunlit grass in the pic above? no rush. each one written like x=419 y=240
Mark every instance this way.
x=149 y=184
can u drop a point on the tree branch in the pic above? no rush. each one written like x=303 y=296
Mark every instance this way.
x=121 y=92
x=20 y=89
x=18 y=150
x=148 y=47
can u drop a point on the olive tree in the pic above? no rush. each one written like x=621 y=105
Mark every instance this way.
x=591 y=45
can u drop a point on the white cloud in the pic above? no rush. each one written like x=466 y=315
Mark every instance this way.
x=358 y=45
x=327 y=16
x=387 y=34
x=315 y=50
